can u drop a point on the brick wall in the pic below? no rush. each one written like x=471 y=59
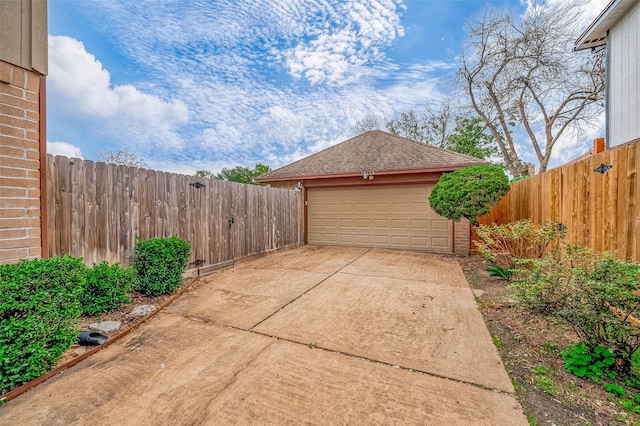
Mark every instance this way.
x=462 y=234
x=20 y=231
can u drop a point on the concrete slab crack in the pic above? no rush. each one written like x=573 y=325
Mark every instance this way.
x=215 y=396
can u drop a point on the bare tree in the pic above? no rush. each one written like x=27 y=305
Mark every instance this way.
x=522 y=77
x=369 y=122
x=122 y=157
x=410 y=125
x=205 y=174
x=432 y=126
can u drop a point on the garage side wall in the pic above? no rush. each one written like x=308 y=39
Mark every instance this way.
x=19 y=164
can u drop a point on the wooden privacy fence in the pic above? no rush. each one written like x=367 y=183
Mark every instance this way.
x=97 y=210
x=599 y=210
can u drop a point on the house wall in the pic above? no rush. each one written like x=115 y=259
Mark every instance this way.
x=623 y=73
x=23 y=63
x=23 y=34
x=284 y=184
x=461 y=237
x=20 y=232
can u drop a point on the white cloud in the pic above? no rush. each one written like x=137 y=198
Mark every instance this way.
x=81 y=90
x=590 y=9
x=337 y=54
x=64 y=149
x=243 y=70
x=575 y=142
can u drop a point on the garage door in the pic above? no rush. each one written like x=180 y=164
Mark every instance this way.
x=377 y=216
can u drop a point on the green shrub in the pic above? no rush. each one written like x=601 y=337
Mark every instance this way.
x=159 y=263
x=106 y=288
x=596 y=294
x=504 y=244
x=594 y=364
x=470 y=192
x=39 y=314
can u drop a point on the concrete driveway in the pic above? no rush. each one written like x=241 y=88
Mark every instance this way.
x=396 y=338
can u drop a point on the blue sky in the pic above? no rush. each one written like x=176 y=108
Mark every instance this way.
x=206 y=84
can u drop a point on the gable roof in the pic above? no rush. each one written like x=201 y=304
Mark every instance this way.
x=373 y=151
x=596 y=33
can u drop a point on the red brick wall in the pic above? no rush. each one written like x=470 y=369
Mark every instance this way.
x=20 y=231
x=462 y=237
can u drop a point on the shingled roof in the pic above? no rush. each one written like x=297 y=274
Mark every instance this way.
x=373 y=151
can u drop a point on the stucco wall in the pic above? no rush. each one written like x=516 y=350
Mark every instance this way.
x=20 y=234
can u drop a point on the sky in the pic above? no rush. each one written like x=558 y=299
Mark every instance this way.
x=207 y=84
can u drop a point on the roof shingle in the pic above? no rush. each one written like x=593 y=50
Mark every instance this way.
x=375 y=151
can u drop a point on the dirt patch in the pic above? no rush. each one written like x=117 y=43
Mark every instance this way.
x=530 y=347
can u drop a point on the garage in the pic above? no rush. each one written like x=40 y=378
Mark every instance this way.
x=373 y=191
x=389 y=216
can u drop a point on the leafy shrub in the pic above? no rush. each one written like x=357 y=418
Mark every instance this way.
x=470 y=192
x=593 y=364
x=522 y=239
x=106 y=288
x=159 y=263
x=39 y=314
x=596 y=294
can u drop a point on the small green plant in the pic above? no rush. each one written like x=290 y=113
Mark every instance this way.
x=312 y=345
x=39 y=315
x=550 y=348
x=615 y=389
x=498 y=342
x=593 y=364
x=469 y=193
x=159 y=263
x=497 y=271
x=515 y=383
x=106 y=288
x=543 y=381
x=629 y=401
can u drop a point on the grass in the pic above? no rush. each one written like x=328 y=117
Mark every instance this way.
x=543 y=381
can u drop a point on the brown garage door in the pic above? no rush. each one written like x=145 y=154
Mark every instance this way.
x=377 y=216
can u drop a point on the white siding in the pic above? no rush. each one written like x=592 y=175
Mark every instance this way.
x=624 y=72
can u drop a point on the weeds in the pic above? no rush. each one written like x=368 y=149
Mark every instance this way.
x=543 y=381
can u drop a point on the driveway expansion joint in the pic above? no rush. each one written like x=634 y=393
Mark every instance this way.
x=388 y=364
x=308 y=290
x=360 y=357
